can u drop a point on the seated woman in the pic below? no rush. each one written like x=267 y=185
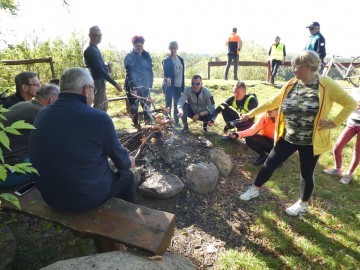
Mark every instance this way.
x=260 y=136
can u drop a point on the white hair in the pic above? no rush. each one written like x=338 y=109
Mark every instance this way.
x=74 y=79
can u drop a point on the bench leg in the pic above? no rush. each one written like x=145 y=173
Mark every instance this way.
x=104 y=245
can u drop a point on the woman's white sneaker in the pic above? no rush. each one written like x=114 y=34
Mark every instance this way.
x=252 y=192
x=297 y=208
x=332 y=171
x=346 y=179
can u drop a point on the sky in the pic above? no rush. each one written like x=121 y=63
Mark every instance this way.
x=199 y=26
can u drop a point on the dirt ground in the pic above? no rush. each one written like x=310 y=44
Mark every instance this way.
x=206 y=224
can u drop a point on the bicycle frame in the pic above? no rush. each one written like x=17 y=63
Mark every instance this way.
x=350 y=72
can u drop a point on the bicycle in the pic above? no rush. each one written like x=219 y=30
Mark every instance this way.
x=348 y=71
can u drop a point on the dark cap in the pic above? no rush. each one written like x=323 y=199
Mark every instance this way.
x=314 y=24
x=234 y=29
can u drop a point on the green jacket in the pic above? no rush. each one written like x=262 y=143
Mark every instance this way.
x=329 y=92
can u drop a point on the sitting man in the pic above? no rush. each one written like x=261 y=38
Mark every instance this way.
x=27 y=84
x=24 y=110
x=70 y=148
x=234 y=107
x=196 y=102
x=260 y=136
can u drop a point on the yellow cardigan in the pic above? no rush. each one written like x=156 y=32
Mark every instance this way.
x=329 y=92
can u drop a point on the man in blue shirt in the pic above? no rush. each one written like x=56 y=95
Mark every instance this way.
x=99 y=70
x=70 y=148
x=316 y=41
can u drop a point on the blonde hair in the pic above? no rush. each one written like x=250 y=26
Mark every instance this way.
x=307 y=58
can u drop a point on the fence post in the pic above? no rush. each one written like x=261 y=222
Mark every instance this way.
x=52 y=67
x=268 y=71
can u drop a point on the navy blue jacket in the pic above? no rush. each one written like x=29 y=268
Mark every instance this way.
x=169 y=71
x=70 y=148
x=94 y=61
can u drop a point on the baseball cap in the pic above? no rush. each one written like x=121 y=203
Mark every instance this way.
x=234 y=29
x=314 y=24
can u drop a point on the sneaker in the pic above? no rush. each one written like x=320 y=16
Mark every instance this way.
x=332 y=171
x=297 y=208
x=252 y=192
x=346 y=179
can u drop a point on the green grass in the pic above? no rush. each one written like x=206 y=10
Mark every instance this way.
x=326 y=237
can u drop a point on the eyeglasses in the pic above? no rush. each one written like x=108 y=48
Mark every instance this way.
x=99 y=35
x=311 y=28
x=195 y=83
x=173 y=48
x=296 y=68
x=92 y=87
x=34 y=84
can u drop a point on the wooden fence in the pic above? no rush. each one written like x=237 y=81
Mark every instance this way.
x=245 y=64
x=255 y=64
x=32 y=61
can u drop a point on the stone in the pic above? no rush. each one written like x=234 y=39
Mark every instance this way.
x=222 y=161
x=124 y=261
x=7 y=248
x=202 y=177
x=162 y=186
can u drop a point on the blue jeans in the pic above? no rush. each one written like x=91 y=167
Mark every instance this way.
x=14 y=179
x=231 y=58
x=171 y=93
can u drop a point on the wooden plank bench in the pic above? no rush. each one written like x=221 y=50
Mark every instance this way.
x=115 y=221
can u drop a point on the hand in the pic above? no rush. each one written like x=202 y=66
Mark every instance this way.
x=134 y=92
x=231 y=135
x=196 y=117
x=118 y=87
x=325 y=124
x=244 y=117
x=210 y=123
x=168 y=81
x=180 y=113
x=132 y=160
x=150 y=100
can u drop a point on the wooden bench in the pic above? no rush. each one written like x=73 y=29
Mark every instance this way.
x=116 y=221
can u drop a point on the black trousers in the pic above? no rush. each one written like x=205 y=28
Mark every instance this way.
x=274 y=68
x=231 y=115
x=282 y=151
x=260 y=144
x=123 y=186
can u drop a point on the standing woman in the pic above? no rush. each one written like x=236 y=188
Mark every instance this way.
x=351 y=130
x=304 y=105
x=174 y=69
x=139 y=80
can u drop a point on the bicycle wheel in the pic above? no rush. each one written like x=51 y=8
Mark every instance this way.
x=354 y=76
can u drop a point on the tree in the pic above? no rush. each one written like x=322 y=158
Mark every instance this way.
x=9 y=5
x=4 y=141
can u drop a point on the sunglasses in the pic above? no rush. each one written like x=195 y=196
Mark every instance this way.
x=195 y=83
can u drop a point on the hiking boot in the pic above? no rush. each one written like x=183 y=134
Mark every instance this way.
x=297 y=208
x=185 y=129
x=252 y=192
x=345 y=179
x=260 y=160
x=332 y=172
